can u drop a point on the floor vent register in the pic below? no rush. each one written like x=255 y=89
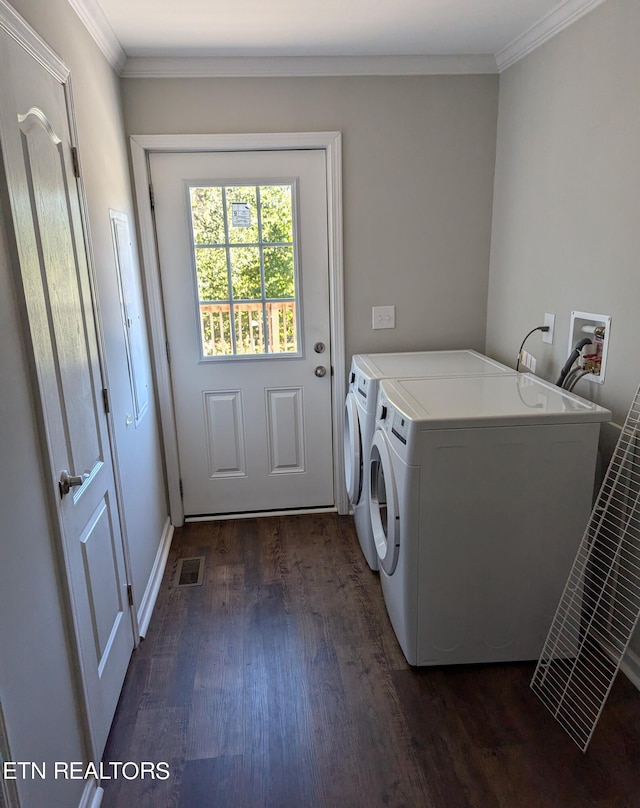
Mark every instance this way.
x=189 y=571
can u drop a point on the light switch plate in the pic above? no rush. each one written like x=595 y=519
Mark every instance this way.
x=383 y=317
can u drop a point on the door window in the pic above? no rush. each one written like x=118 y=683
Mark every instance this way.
x=378 y=493
x=383 y=504
x=245 y=263
x=353 y=459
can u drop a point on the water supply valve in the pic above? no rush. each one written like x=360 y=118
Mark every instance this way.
x=594 y=356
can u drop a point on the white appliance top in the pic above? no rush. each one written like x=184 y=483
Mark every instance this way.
x=426 y=363
x=506 y=400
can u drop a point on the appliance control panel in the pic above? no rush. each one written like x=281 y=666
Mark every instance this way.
x=359 y=383
x=399 y=427
x=393 y=423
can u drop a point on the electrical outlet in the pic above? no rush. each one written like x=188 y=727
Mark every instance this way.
x=550 y=320
x=528 y=361
x=383 y=317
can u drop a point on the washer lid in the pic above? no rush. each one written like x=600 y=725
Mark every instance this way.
x=487 y=401
x=427 y=363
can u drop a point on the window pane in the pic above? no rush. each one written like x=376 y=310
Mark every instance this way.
x=245 y=269
x=211 y=267
x=275 y=208
x=249 y=328
x=216 y=330
x=281 y=322
x=278 y=272
x=245 y=273
x=242 y=215
x=207 y=215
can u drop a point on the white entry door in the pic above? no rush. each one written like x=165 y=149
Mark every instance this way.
x=55 y=286
x=243 y=249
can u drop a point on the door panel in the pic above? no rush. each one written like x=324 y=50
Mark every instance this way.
x=45 y=207
x=246 y=292
x=285 y=431
x=46 y=174
x=98 y=554
x=225 y=434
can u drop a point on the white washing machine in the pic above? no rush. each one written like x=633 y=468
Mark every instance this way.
x=366 y=372
x=480 y=491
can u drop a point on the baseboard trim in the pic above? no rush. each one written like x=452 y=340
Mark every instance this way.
x=92 y=795
x=155 y=579
x=630 y=666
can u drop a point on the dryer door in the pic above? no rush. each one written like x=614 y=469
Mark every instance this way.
x=353 y=459
x=383 y=503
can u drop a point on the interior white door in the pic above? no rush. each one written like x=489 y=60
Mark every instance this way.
x=54 y=278
x=242 y=239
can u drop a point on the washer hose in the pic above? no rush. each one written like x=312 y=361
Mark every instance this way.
x=575 y=353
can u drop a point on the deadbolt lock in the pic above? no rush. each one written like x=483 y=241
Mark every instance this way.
x=319 y=347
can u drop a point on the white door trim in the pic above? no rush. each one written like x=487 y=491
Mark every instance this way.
x=331 y=142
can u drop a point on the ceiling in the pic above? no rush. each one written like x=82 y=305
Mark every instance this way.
x=322 y=28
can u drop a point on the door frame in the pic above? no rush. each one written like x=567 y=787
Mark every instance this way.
x=141 y=147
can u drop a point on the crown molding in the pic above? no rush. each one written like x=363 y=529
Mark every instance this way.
x=94 y=20
x=23 y=33
x=246 y=67
x=561 y=17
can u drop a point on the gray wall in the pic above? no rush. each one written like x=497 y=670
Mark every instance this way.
x=418 y=164
x=36 y=667
x=566 y=217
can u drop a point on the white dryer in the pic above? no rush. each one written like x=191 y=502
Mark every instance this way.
x=480 y=491
x=366 y=372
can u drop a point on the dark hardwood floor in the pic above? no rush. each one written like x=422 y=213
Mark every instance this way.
x=278 y=683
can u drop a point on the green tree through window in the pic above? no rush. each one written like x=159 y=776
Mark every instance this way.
x=245 y=266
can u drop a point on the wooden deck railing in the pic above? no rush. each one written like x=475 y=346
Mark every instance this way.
x=249 y=327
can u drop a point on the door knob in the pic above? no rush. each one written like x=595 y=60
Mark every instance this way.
x=320 y=371
x=68 y=481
